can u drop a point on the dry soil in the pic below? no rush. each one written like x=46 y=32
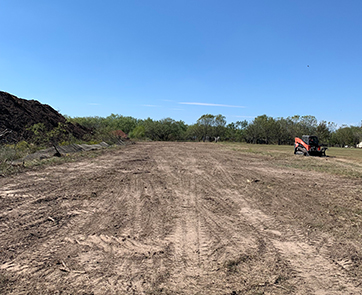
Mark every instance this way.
x=179 y=218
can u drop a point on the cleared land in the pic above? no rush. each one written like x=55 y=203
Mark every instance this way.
x=183 y=218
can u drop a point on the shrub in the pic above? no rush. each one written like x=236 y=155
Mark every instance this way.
x=138 y=132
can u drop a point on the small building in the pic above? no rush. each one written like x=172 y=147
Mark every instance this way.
x=359 y=145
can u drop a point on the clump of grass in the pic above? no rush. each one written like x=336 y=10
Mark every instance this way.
x=9 y=154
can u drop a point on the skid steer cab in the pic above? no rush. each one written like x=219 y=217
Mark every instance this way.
x=308 y=146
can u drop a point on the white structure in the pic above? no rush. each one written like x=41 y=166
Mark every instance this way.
x=359 y=145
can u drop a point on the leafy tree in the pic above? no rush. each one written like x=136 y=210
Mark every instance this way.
x=236 y=131
x=263 y=129
x=193 y=132
x=205 y=123
x=119 y=122
x=347 y=135
x=308 y=125
x=219 y=125
x=210 y=126
x=343 y=136
x=138 y=132
x=110 y=123
x=285 y=131
x=324 y=131
x=165 y=129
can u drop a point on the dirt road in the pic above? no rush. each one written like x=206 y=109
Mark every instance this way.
x=179 y=218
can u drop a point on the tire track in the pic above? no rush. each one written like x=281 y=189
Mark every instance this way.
x=315 y=270
x=164 y=218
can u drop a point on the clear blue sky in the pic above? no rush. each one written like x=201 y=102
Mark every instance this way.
x=185 y=58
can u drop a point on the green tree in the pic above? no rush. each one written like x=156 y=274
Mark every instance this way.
x=138 y=132
x=347 y=135
x=285 y=134
x=236 y=131
x=205 y=123
x=164 y=129
x=324 y=131
x=308 y=124
x=210 y=126
x=343 y=136
x=101 y=125
x=263 y=129
x=219 y=126
x=193 y=132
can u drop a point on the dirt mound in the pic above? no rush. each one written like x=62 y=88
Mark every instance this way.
x=17 y=114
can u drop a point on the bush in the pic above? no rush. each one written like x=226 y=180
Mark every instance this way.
x=138 y=132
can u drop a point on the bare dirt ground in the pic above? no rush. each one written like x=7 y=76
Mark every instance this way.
x=179 y=218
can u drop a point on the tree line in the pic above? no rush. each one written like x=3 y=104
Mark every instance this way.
x=262 y=130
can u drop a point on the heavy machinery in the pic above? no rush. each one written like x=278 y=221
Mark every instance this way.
x=308 y=146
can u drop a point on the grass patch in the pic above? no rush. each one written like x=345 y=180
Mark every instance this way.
x=9 y=154
x=350 y=154
x=344 y=162
x=272 y=151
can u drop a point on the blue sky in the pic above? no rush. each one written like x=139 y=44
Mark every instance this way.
x=185 y=58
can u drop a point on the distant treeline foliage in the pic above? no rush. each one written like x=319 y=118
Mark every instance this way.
x=263 y=129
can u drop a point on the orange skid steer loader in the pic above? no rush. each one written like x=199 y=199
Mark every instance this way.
x=308 y=146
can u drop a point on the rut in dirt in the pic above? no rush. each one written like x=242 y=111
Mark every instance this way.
x=165 y=218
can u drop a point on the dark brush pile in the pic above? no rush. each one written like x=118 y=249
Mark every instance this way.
x=17 y=114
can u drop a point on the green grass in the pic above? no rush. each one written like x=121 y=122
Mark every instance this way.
x=275 y=151
x=8 y=154
x=345 y=162
x=346 y=153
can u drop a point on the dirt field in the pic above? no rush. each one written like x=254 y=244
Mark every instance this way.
x=179 y=218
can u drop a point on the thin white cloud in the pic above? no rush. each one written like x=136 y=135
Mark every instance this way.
x=94 y=104
x=211 y=104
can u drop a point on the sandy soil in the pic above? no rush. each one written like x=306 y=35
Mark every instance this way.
x=179 y=218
